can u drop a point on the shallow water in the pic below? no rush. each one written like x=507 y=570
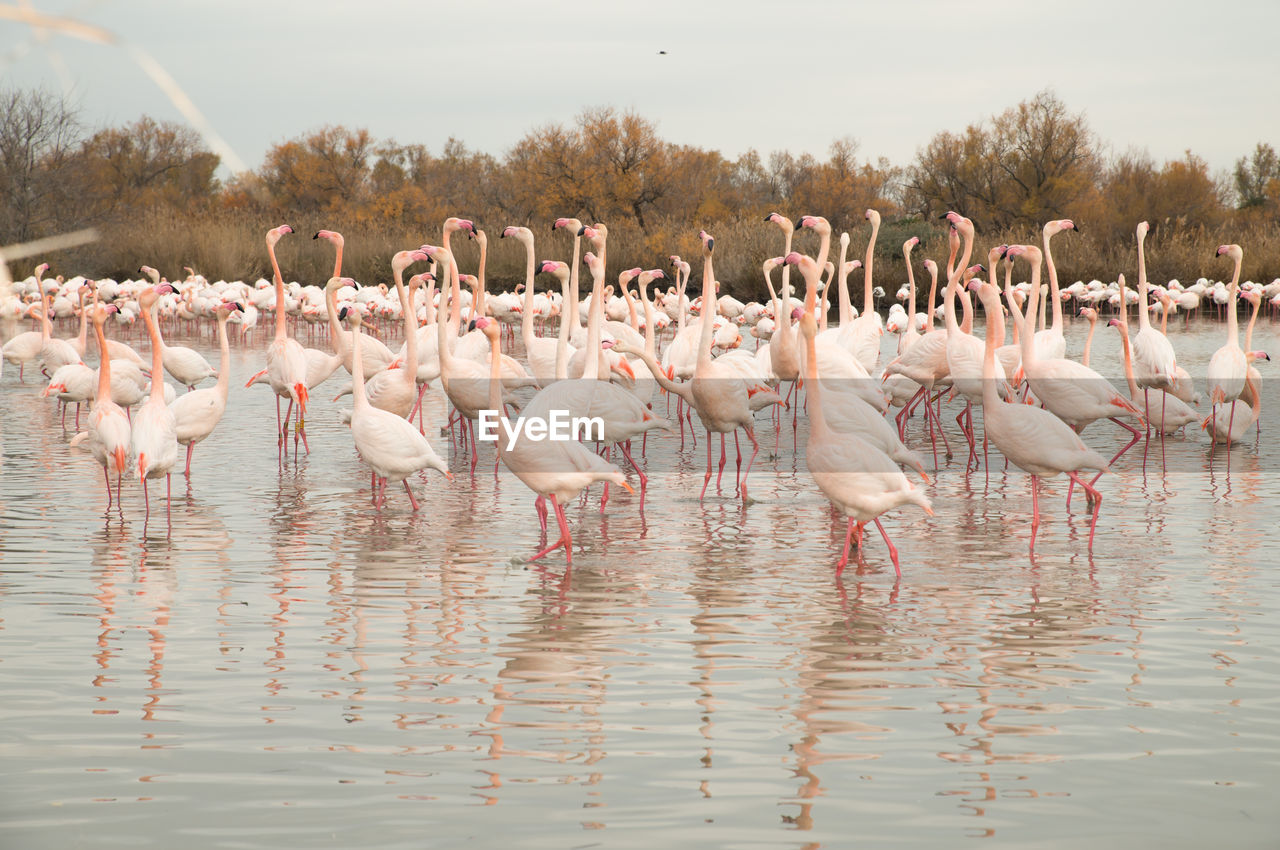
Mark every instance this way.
x=281 y=665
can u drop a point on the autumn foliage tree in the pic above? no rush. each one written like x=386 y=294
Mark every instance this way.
x=149 y=164
x=1032 y=162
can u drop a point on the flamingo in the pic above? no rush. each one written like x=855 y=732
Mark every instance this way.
x=1231 y=424
x=539 y=351
x=1075 y=393
x=376 y=354
x=1173 y=412
x=1154 y=363
x=155 y=433
x=110 y=432
x=846 y=411
x=396 y=389
x=623 y=415
x=392 y=447
x=1051 y=344
x=859 y=479
x=862 y=335
x=720 y=397
x=1032 y=438
x=1228 y=367
x=554 y=469
x=925 y=362
x=286 y=361
x=26 y=346
x=784 y=354
x=197 y=413
x=185 y=364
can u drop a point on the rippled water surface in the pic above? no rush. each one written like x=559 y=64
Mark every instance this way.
x=282 y=666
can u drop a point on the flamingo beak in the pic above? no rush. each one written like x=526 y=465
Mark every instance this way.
x=628 y=488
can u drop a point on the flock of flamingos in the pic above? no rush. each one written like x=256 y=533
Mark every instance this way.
x=1034 y=400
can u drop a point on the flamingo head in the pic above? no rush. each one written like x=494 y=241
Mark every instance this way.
x=571 y=224
x=873 y=217
x=1143 y=228
x=329 y=235
x=274 y=234
x=1232 y=251
x=554 y=267
x=814 y=222
x=909 y=244
x=465 y=224
x=708 y=241
x=524 y=234
x=781 y=221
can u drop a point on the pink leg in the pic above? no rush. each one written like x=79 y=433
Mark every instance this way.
x=644 y=479
x=1096 y=499
x=844 y=558
x=540 y=505
x=755 y=449
x=191 y=447
x=1137 y=435
x=707 y=478
x=1035 y=510
x=893 y=551
x=564 y=539
x=720 y=470
x=412 y=500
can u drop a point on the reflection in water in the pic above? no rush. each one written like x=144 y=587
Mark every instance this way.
x=281 y=659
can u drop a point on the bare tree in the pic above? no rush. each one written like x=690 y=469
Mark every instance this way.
x=39 y=135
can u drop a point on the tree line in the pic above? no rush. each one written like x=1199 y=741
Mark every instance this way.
x=152 y=190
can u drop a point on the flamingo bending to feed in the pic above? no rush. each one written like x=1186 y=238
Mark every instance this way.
x=623 y=415
x=197 y=413
x=858 y=478
x=1076 y=394
x=396 y=389
x=392 y=447
x=554 y=469
x=1173 y=412
x=1229 y=423
x=186 y=365
x=845 y=410
x=26 y=346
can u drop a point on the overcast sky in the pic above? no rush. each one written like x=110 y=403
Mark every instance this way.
x=746 y=74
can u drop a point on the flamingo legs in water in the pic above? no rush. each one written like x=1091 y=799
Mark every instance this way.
x=564 y=539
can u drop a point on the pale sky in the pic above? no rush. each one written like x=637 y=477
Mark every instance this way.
x=737 y=75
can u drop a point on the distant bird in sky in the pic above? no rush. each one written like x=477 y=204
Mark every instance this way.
x=662 y=53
